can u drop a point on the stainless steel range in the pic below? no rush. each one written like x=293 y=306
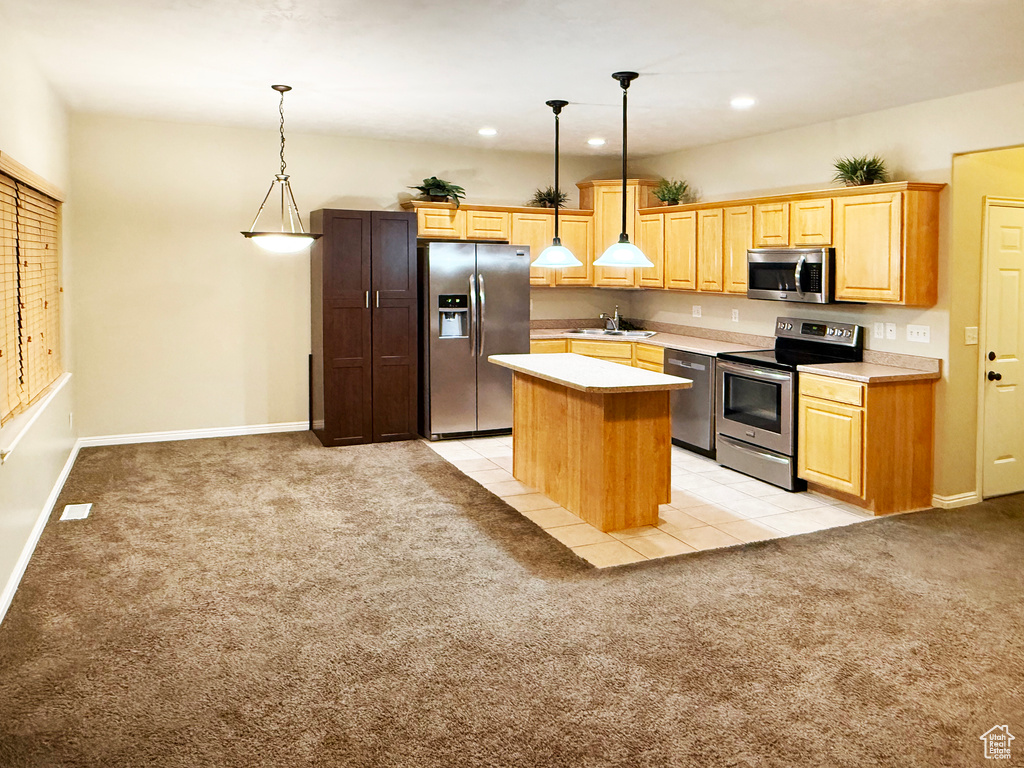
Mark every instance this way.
x=757 y=391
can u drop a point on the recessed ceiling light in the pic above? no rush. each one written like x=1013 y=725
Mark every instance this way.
x=743 y=102
x=595 y=142
x=488 y=131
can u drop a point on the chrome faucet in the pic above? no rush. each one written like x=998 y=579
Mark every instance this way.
x=611 y=323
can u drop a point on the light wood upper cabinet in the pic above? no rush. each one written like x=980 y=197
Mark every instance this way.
x=811 y=222
x=651 y=240
x=488 y=225
x=536 y=231
x=442 y=220
x=771 y=225
x=576 y=232
x=681 y=250
x=868 y=230
x=709 y=250
x=605 y=198
x=737 y=237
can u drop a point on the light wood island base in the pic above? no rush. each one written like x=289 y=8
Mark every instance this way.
x=602 y=452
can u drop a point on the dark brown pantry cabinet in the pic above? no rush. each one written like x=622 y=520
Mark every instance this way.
x=365 y=327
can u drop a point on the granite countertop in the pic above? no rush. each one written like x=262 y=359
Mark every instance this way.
x=672 y=341
x=869 y=373
x=589 y=374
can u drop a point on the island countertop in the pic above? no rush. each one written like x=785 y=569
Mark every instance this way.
x=589 y=374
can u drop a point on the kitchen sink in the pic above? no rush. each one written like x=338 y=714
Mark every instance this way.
x=603 y=332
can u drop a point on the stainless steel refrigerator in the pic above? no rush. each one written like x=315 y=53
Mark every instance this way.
x=476 y=302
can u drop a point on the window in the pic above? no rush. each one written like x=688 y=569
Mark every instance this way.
x=30 y=294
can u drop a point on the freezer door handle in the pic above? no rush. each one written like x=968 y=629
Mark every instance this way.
x=483 y=316
x=472 y=315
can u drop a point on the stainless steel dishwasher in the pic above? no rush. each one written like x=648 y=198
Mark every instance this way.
x=693 y=410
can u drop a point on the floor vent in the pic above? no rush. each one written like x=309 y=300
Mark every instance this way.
x=76 y=512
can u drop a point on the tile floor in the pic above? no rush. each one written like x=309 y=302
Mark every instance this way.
x=711 y=507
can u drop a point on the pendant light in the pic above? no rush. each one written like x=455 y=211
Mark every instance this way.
x=624 y=253
x=290 y=237
x=556 y=255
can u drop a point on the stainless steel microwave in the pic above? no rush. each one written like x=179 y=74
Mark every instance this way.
x=791 y=274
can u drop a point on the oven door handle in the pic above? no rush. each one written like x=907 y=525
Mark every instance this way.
x=747 y=370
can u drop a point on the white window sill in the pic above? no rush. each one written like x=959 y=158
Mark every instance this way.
x=12 y=432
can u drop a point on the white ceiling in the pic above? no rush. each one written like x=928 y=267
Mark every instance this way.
x=436 y=70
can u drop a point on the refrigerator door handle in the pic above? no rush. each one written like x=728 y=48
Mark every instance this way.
x=483 y=317
x=472 y=315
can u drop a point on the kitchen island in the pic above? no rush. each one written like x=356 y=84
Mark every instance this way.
x=593 y=436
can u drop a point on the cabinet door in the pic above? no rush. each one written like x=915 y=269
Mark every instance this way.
x=831 y=445
x=709 y=250
x=608 y=227
x=577 y=234
x=771 y=224
x=445 y=221
x=811 y=222
x=395 y=326
x=738 y=236
x=618 y=351
x=650 y=238
x=681 y=250
x=534 y=230
x=548 y=346
x=487 y=225
x=345 y=351
x=868 y=240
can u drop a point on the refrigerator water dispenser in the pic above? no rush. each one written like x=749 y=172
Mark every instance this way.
x=454 y=316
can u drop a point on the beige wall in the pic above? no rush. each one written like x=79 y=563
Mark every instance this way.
x=33 y=131
x=183 y=324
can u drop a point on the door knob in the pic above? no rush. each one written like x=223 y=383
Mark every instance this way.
x=993 y=376
x=991 y=355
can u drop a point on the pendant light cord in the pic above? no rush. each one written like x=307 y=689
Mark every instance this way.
x=557 y=195
x=281 y=110
x=622 y=236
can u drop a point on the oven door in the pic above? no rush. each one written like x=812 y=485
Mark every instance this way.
x=755 y=405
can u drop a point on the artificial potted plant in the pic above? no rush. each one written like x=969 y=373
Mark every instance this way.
x=857 y=171
x=440 y=191
x=547 y=198
x=672 y=192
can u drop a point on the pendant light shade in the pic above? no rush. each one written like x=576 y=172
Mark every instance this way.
x=556 y=255
x=624 y=253
x=288 y=236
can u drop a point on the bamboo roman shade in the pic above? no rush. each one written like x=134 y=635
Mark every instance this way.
x=30 y=287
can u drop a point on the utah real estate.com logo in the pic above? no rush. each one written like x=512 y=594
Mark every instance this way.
x=997 y=742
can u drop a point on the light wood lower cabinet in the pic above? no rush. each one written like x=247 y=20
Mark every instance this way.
x=547 y=346
x=613 y=351
x=649 y=357
x=872 y=443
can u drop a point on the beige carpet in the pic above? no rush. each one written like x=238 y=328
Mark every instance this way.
x=264 y=601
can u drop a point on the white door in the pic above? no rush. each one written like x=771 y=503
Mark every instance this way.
x=1003 y=317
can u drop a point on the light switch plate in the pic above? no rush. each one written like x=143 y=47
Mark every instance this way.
x=971 y=335
x=879 y=330
x=919 y=333
x=735 y=315
x=696 y=310
x=890 y=331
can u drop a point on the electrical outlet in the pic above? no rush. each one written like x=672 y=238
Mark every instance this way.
x=919 y=333
x=890 y=331
x=879 y=330
x=971 y=335
x=696 y=310
x=735 y=315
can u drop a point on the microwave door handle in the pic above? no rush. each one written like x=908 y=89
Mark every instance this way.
x=799 y=272
x=472 y=315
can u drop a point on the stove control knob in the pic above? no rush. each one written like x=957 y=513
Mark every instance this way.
x=789 y=326
x=831 y=331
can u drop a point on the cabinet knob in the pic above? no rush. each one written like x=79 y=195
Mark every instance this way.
x=991 y=355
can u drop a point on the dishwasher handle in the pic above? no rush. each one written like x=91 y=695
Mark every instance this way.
x=684 y=364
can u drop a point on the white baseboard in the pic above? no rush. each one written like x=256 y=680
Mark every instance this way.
x=7 y=595
x=956 y=500
x=192 y=434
